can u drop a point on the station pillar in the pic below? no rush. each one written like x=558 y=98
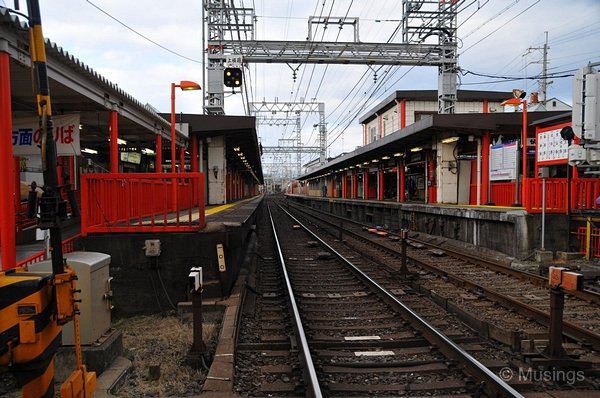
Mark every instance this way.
x=194 y=154
x=366 y=184
x=114 y=142
x=401 y=178
x=485 y=167
x=158 y=163
x=7 y=174
x=380 y=184
x=181 y=159
x=354 y=185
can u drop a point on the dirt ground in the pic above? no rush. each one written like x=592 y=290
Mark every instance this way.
x=162 y=340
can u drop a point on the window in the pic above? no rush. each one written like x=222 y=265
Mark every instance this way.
x=373 y=134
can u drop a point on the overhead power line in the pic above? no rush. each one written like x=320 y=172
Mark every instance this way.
x=142 y=35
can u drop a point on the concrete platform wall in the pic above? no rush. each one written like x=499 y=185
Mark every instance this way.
x=513 y=232
x=138 y=280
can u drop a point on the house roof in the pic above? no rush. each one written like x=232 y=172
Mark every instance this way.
x=431 y=95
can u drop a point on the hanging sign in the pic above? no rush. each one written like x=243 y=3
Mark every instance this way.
x=552 y=149
x=26 y=137
x=503 y=161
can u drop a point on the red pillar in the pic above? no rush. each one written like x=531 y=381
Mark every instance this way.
x=7 y=174
x=402 y=113
x=366 y=184
x=401 y=178
x=159 y=159
x=354 y=185
x=524 y=187
x=60 y=166
x=17 y=179
x=72 y=171
x=181 y=159
x=194 y=152
x=485 y=167
x=381 y=180
x=114 y=144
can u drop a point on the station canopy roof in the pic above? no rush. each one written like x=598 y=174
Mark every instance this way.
x=239 y=133
x=77 y=88
x=420 y=133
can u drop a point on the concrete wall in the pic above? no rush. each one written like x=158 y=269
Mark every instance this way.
x=391 y=117
x=513 y=232
x=216 y=162
x=446 y=173
x=138 y=280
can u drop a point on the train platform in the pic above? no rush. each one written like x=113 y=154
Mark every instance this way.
x=509 y=230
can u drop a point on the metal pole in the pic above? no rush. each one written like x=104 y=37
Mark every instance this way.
x=517 y=178
x=524 y=144
x=543 y=212
x=588 y=239
x=173 y=149
x=7 y=176
x=403 y=266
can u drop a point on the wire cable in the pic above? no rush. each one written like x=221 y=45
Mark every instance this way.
x=144 y=36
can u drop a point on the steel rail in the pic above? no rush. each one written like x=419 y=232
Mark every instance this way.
x=586 y=295
x=571 y=330
x=310 y=373
x=493 y=385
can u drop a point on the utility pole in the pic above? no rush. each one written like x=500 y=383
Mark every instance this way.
x=543 y=81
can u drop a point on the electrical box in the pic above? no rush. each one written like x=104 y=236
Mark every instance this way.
x=94 y=281
x=586 y=104
x=577 y=155
x=593 y=156
x=152 y=247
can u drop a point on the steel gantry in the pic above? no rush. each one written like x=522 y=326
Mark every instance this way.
x=429 y=35
x=294 y=109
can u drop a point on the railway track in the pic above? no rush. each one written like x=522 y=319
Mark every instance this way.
x=355 y=330
x=442 y=270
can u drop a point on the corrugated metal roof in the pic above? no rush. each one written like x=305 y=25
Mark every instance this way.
x=63 y=56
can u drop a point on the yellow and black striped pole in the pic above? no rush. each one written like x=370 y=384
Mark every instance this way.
x=49 y=217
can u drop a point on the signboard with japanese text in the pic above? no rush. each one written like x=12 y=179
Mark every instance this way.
x=552 y=148
x=26 y=137
x=503 y=161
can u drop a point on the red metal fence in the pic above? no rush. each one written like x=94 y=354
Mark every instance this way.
x=584 y=192
x=142 y=202
x=68 y=246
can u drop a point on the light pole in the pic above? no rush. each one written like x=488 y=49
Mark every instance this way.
x=184 y=85
x=520 y=100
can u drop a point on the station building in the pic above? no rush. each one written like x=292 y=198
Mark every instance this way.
x=464 y=175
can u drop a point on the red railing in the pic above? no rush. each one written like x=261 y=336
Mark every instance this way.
x=68 y=246
x=503 y=193
x=141 y=202
x=584 y=192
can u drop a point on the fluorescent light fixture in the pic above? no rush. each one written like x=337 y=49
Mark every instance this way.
x=398 y=154
x=449 y=140
x=148 y=151
x=358 y=165
x=385 y=158
x=90 y=151
x=121 y=142
x=416 y=149
x=236 y=148
x=366 y=163
x=375 y=160
x=80 y=126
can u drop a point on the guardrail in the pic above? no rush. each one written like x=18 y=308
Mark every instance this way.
x=68 y=246
x=142 y=202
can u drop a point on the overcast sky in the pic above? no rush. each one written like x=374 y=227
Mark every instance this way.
x=494 y=40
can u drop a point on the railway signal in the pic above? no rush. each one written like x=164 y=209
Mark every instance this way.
x=233 y=77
